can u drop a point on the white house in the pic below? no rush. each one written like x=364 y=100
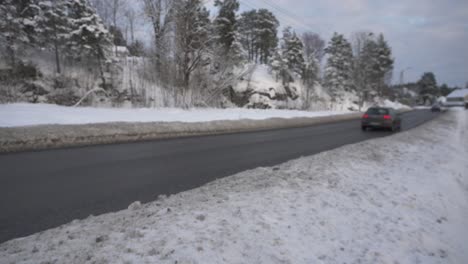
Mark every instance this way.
x=458 y=97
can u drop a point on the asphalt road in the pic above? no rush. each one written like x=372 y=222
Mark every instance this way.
x=45 y=189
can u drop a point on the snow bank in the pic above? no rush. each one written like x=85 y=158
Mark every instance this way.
x=395 y=105
x=399 y=199
x=14 y=115
x=14 y=139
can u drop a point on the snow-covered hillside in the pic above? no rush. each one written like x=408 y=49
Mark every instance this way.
x=260 y=88
x=400 y=199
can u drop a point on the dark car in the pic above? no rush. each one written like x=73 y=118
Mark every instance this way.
x=381 y=117
x=436 y=108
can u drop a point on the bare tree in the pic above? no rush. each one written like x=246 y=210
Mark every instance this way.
x=191 y=38
x=314 y=45
x=314 y=51
x=359 y=40
x=132 y=18
x=103 y=9
x=116 y=9
x=159 y=14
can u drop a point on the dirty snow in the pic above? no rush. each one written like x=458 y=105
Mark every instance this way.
x=21 y=114
x=399 y=199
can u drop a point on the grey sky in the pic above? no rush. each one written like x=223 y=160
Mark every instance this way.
x=426 y=35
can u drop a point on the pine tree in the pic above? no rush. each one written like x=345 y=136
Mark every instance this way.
x=288 y=59
x=248 y=37
x=54 y=26
x=259 y=30
x=370 y=63
x=293 y=53
x=226 y=23
x=118 y=37
x=266 y=30
x=375 y=64
x=339 y=65
x=89 y=37
x=136 y=48
x=17 y=26
x=428 y=84
x=228 y=43
x=287 y=34
x=237 y=53
x=385 y=61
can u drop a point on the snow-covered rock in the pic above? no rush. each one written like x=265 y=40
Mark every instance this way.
x=261 y=90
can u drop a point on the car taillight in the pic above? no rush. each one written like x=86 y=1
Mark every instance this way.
x=387 y=117
x=365 y=116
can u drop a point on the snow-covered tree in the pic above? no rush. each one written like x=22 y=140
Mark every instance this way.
x=293 y=53
x=17 y=26
x=428 y=89
x=288 y=59
x=89 y=37
x=428 y=84
x=248 y=33
x=227 y=46
x=373 y=64
x=280 y=67
x=258 y=29
x=363 y=65
x=287 y=34
x=339 y=65
x=267 y=30
x=385 y=60
x=226 y=23
x=54 y=25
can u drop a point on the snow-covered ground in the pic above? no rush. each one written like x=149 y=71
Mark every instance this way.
x=20 y=114
x=399 y=199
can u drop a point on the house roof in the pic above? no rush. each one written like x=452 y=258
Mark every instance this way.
x=458 y=93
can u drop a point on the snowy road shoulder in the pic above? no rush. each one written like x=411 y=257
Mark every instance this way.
x=21 y=114
x=398 y=199
x=50 y=126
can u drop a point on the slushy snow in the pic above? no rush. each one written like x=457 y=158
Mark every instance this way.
x=399 y=199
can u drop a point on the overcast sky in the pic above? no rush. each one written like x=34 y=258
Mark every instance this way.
x=426 y=35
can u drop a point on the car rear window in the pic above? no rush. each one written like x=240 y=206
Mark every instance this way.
x=377 y=111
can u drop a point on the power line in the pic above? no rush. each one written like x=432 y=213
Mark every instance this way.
x=280 y=14
x=286 y=14
x=291 y=16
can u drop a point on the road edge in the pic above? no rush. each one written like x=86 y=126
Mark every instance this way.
x=44 y=137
